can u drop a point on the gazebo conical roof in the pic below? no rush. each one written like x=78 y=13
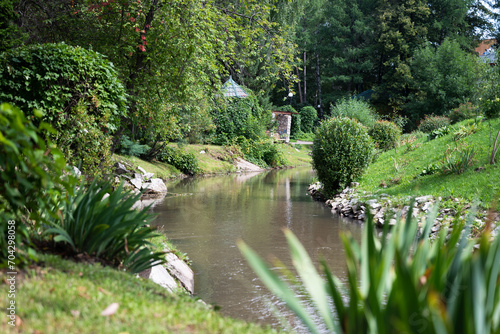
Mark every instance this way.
x=232 y=89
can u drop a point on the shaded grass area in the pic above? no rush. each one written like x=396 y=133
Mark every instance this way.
x=67 y=297
x=401 y=171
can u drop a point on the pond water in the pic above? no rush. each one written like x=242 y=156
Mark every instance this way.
x=208 y=215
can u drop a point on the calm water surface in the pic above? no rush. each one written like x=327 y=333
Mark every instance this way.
x=211 y=214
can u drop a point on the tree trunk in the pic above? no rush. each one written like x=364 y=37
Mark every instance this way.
x=318 y=83
x=305 y=89
x=300 y=88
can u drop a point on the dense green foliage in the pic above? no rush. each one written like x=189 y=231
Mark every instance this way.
x=132 y=148
x=33 y=180
x=263 y=153
x=355 y=109
x=385 y=134
x=443 y=78
x=78 y=92
x=185 y=162
x=100 y=221
x=400 y=283
x=308 y=119
x=239 y=117
x=341 y=152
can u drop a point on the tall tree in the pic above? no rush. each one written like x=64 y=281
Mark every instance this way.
x=401 y=30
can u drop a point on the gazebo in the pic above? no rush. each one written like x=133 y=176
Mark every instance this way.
x=232 y=89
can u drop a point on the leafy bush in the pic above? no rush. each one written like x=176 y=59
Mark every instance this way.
x=107 y=227
x=356 y=109
x=341 y=152
x=401 y=282
x=239 y=117
x=463 y=112
x=491 y=107
x=263 y=153
x=385 y=134
x=308 y=119
x=77 y=90
x=33 y=179
x=132 y=148
x=185 y=162
x=430 y=123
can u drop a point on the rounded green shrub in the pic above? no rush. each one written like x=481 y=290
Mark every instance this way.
x=78 y=92
x=431 y=123
x=385 y=134
x=185 y=162
x=341 y=152
x=308 y=118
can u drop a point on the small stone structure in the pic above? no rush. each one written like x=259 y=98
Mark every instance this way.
x=284 y=119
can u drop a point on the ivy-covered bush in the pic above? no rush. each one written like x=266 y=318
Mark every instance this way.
x=341 y=152
x=78 y=92
x=308 y=119
x=463 y=112
x=185 y=162
x=355 y=109
x=385 y=134
x=239 y=117
x=431 y=123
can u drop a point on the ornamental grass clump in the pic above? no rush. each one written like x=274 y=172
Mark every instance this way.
x=400 y=283
x=107 y=227
x=341 y=151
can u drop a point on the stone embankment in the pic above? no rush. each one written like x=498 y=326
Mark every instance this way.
x=384 y=209
x=137 y=179
x=174 y=274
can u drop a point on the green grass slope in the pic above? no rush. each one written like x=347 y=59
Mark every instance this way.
x=67 y=297
x=402 y=172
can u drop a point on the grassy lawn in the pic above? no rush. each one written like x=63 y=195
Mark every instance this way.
x=214 y=159
x=160 y=169
x=67 y=297
x=297 y=155
x=402 y=171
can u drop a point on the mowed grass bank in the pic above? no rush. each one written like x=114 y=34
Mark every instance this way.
x=61 y=296
x=416 y=168
x=214 y=159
